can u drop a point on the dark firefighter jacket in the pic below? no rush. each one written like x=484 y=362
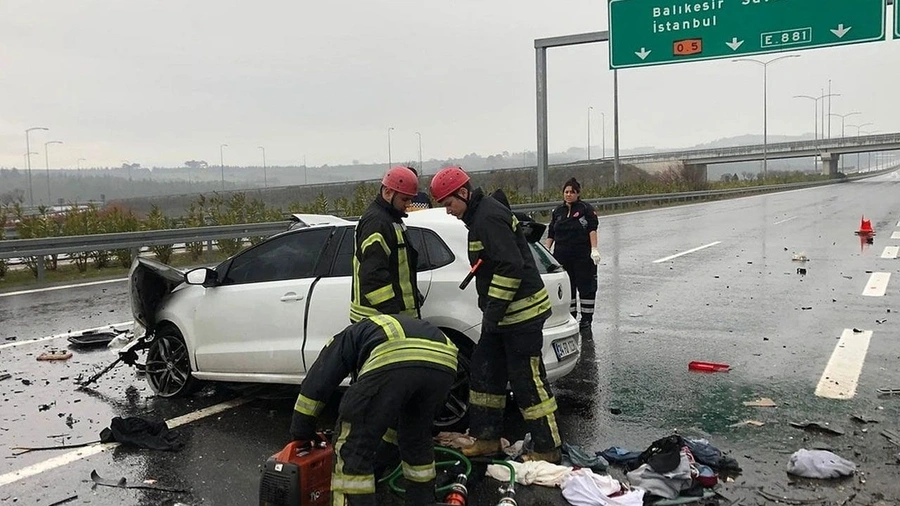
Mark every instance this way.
x=377 y=344
x=384 y=265
x=570 y=229
x=510 y=289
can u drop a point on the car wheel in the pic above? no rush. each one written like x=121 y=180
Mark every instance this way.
x=168 y=366
x=454 y=414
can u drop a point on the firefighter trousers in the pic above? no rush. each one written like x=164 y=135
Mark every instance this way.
x=407 y=398
x=514 y=357
x=582 y=278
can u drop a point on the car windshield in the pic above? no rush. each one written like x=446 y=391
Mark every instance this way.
x=544 y=259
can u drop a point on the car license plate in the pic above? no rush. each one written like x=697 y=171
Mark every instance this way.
x=565 y=347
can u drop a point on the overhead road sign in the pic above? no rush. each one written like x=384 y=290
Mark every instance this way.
x=658 y=32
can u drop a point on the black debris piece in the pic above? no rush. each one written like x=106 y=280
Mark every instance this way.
x=142 y=433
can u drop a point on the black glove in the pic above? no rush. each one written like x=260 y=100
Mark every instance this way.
x=303 y=428
x=488 y=326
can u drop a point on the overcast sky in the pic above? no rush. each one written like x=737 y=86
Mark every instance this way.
x=160 y=82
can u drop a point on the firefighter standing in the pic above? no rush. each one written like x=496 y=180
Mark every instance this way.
x=573 y=228
x=402 y=370
x=515 y=304
x=384 y=262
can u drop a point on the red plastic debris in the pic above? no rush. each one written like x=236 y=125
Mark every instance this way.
x=708 y=367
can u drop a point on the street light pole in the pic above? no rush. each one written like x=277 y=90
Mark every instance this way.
x=265 y=177
x=843 y=117
x=28 y=162
x=765 y=66
x=816 y=119
x=47 y=166
x=603 y=133
x=421 y=168
x=222 y=163
x=590 y=108
x=390 y=162
x=79 y=162
x=130 y=181
x=616 y=126
x=858 y=127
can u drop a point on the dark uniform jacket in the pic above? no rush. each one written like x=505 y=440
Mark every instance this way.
x=510 y=289
x=570 y=229
x=384 y=265
x=372 y=346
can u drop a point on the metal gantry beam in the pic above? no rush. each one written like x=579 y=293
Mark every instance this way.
x=540 y=52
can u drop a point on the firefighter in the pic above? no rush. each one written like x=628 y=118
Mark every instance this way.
x=420 y=201
x=515 y=304
x=402 y=369
x=384 y=262
x=573 y=228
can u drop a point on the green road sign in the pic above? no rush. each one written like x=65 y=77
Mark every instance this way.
x=657 y=32
x=896 y=21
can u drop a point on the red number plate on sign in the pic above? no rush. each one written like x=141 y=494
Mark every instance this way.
x=687 y=47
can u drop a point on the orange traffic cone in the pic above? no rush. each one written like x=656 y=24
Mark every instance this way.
x=865 y=227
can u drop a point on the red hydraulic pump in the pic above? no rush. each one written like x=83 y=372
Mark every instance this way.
x=298 y=475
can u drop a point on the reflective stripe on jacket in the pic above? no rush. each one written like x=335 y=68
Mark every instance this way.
x=510 y=289
x=384 y=265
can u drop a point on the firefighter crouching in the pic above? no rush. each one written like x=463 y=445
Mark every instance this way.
x=384 y=261
x=402 y=370
x=515 y=304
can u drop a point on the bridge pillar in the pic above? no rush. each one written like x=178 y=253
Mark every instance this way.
x=830 y=164
x=696 y=172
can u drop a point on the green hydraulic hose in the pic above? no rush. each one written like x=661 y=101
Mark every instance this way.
x=398 y=472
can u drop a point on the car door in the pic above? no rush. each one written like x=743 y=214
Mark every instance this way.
x=329 y=309
x=252 y=321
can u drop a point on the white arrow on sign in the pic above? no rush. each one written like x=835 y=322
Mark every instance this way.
x=643 y=53
x=734 y=44
x=841 y=31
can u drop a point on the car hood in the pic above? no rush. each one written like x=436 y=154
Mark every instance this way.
x=149 y=282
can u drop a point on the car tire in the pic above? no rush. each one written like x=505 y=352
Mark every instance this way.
x=454 y=414
x=168 y=366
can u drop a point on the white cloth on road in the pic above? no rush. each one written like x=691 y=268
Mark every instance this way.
x=819 y=464
x=666 y=485
x=586 y=488
x=538 y=472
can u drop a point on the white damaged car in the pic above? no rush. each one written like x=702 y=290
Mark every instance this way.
x=264 y=314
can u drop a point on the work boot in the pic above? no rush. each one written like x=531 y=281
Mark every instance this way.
x=585 y=323
x=553 y=456
x=482 y=447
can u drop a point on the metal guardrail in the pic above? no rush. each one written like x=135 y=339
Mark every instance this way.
x=17 y=248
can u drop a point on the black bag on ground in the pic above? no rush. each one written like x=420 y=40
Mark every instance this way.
x=663 y=455
x=142 y=433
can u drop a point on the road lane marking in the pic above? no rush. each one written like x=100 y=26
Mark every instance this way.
x=785 y=220
x=877 y=285
x=81 y=453
x=890 y=252
x=66 y=334
x=686 y=252
x=64 y=287
x=895 y=235
x=898 y=224
x=841 y=375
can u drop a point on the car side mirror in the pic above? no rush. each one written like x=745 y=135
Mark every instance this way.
x=200 y=276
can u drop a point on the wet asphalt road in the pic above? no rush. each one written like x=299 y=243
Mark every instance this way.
x=739 y=301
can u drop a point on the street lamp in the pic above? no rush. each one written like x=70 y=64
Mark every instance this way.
x=47 y=166
x=816 y=117
x=28 y=162
x=222 y=163
x=843 y=116
x=858 y=127
x=79 y=162
x=130 y=181
x=590 y=108
x=603 y=133
x=390 y=162
x=421 y=169
x=765 y=66
x=265 y=177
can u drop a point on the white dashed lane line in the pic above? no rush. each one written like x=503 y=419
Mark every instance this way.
x=672 y=257
x=785 y=220
x=64 y=287
x=890 y=252
x=895 y=235
x=842 y=372
x=877 y=285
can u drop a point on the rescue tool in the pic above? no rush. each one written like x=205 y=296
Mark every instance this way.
x=470 y=275
x=298 y=475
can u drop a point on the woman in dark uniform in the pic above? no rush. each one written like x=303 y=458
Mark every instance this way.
x=573 y=229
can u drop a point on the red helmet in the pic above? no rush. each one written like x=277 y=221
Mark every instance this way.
x=447 y=181
x=401 y=180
